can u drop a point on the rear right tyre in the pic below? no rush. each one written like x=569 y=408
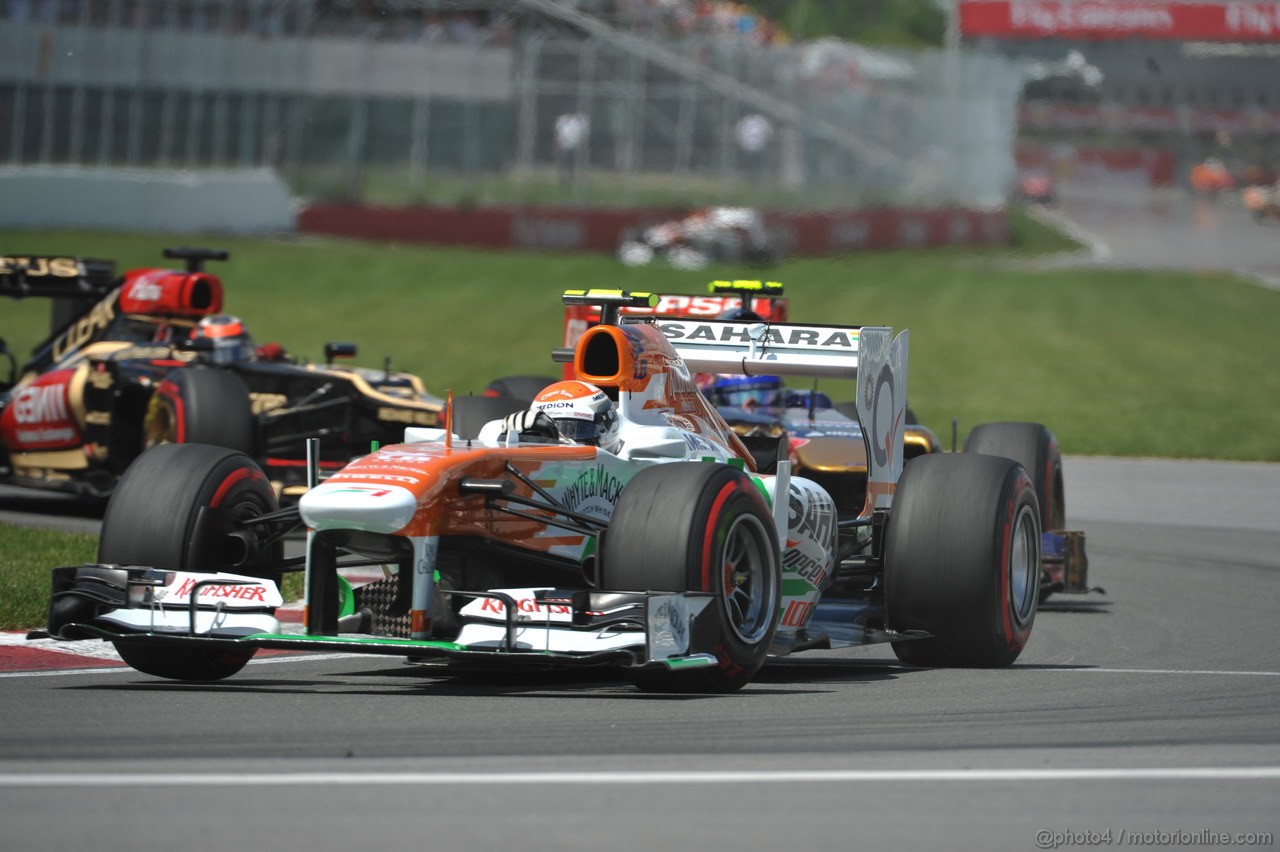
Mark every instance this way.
x=200 y=405
x=962 y=560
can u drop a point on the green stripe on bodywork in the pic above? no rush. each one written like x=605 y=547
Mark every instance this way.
x=768 y=498
x=302 y=638
x=346 y=598
x=679 y=663
x=796 y=588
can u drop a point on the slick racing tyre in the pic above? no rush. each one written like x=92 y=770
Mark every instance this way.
x=962 y=560
x=182 y=507
x=197 y=405
x=1032 y=446
x=700 y=527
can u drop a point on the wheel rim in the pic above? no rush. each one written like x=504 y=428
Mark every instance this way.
x=239 y=547
x=158 y=427
x=1024 y=567
x=749 y=583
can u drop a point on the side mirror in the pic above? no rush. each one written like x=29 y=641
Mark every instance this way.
x=339 y=350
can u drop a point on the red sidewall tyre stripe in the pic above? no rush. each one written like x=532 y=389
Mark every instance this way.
x=708 y=543
x=230 y=481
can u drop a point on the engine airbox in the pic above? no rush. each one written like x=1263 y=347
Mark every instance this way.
x=167 y=293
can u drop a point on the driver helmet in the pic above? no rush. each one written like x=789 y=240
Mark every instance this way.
x=807 y=399
x=746 y=391
x=231 y=340
x=583 y=413
x=741 y=313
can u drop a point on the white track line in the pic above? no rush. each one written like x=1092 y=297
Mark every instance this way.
x=1270 y=280
x=817 y=776
x=1178 y=672
x=1097 y=247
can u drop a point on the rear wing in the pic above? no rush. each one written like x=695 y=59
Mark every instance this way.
x=764 y=298
x=871 y=355
x=755 y=348
x=55 y=277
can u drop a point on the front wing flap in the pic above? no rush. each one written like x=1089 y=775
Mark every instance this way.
x=651 y=629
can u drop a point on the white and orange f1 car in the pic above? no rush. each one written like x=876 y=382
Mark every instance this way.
x=670 y=561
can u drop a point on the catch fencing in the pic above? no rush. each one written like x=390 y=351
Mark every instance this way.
x=447 y=104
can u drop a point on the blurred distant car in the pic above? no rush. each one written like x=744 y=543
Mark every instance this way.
x=1263 y=202
x=1211 y=177
x=1036 y=187
x=711 y=235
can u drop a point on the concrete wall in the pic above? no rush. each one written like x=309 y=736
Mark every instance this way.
x=809 y=234
x=231 y=201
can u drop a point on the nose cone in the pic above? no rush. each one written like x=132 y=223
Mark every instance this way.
x=375 y=508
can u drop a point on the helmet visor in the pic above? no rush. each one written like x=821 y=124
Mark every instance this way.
x=747 y=397
x=578 y=431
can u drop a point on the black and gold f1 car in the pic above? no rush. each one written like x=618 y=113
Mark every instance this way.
x=149 y=358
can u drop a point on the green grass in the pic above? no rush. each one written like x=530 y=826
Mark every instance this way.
x=1115 y=362
x=28 y=556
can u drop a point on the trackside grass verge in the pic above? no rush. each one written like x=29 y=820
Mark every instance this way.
x=26 y=556
x=1115 y=362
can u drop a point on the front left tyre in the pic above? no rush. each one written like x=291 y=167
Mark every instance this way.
x=700 y=527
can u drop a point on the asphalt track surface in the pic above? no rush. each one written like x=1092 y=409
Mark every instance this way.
x=1165 y=229
x=1148 y=716
x=1149 y=712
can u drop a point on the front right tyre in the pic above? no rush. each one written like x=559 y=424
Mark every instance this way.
x=158 y=516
